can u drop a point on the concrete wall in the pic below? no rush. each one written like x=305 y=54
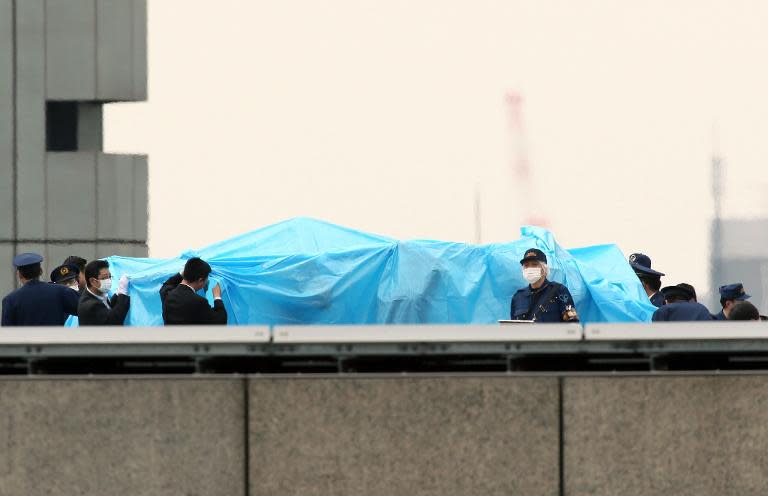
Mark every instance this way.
x=89 y=51
x=424 y=435
x=415 y=436
x=6 y=119
x=671 y=435
x=122 y=437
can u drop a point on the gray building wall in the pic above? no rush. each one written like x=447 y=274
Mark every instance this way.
x=83 y=201
x=415 y=435
x=743 y=258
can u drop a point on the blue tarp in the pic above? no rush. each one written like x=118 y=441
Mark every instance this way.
x=306 y=271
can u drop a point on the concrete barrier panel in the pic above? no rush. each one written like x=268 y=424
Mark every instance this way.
x=71 y=50
x=672 y=435
x=6 y=119
x=71 y=194
x=30 y=118
x=414 y=436
x=122 y=437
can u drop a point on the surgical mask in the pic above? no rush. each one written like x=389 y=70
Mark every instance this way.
x=532 y=274
x=74 y=286
x=106 y=285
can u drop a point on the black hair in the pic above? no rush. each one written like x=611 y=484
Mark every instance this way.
x=93 y=268
x=196 y=269
x=689 y=288
x=723 y=300
x=653 y=281
x=31 y=271
x=78 y=262
x=744 y=310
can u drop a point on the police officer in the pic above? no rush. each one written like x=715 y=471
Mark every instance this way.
x=542 y=300
x=729 y=295
x=37 y=303
x=67 y=275
x=680 y=305
x=650 y=279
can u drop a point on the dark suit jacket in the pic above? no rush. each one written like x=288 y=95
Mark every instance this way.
x=91 y=311
x=182 y=306
x=39 y=304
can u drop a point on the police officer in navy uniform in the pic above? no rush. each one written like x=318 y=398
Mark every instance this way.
x=650 y=279
x=542 y=300
x=680 y=305
x=37 y=303
x=729 y=295
x=67 y=275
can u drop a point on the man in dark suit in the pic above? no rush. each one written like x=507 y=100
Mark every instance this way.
x=96 y=307
x=37 y=303
x=181 y=303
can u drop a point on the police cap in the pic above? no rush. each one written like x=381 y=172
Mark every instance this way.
x=64 y=273
x=534 y=254
x=733 y=292
x=641 y=263
x=26 y=259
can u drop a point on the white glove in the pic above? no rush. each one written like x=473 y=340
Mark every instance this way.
x=122 y=286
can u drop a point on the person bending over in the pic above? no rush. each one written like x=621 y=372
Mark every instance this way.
x=182 y=305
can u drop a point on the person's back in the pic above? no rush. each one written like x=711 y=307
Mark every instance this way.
x=38 y=303
x=181 y=303
x=681 y=311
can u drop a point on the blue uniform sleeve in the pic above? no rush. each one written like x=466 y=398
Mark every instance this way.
x=566 y=304
x=70 y=300
x=8 y=314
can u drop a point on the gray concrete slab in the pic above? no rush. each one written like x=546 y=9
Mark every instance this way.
x=104 y=250
x=71 y=50
x=122 y=437
x=30 y=107
x=115 y=196
x=71 y=195
x=56 y=253
x=6 y=120
x=141 y=197
x=414 y=436
x=139 y=50
x=668 y=435
x=114 y=45
x=7 y=272
x=141 y=251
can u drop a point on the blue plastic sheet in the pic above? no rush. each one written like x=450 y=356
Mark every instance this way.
x=305 y=271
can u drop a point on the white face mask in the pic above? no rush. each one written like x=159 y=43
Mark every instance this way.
x=106 y=285
x=74 y=286
x=532 y=274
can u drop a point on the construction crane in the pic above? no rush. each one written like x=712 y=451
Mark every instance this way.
x=523 y=188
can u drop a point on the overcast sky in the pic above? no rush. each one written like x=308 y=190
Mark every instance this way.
x=387 y=116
